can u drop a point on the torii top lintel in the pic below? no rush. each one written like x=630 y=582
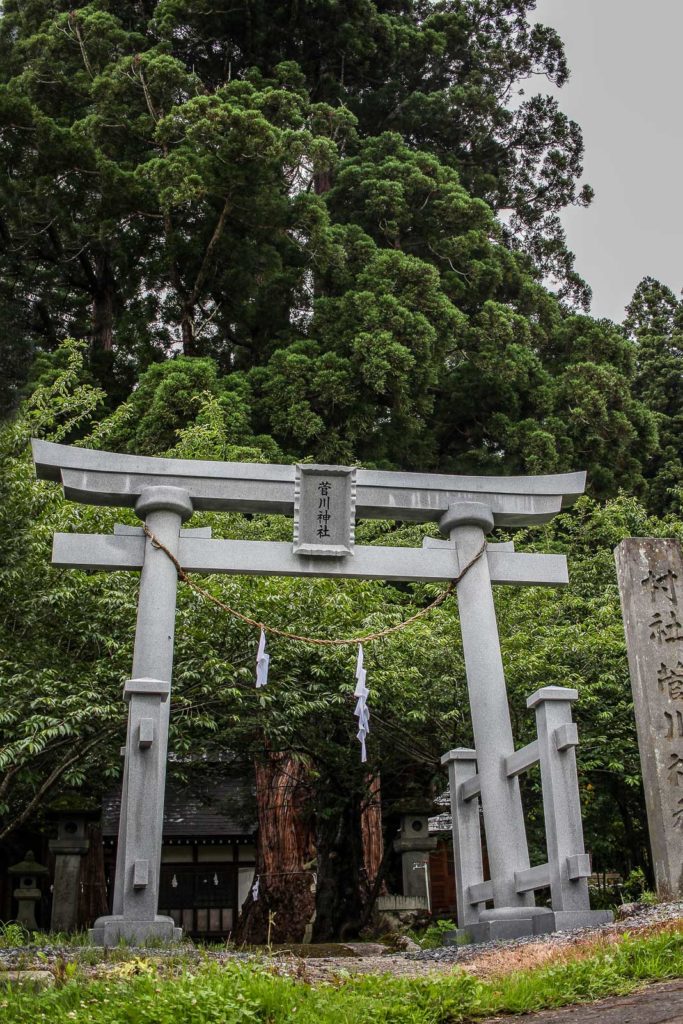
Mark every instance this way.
x=106 y=478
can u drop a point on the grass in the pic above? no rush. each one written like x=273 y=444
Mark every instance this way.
x=145 y=992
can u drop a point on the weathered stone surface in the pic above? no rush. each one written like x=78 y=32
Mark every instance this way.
x=29 y=979
x=650 y=572
x=467 y=524
x=109 y=478
x=415 y=844
x=69 y=846
x=324 y=510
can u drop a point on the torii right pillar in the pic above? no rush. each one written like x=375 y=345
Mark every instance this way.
x=467 y=524
x=513 y=882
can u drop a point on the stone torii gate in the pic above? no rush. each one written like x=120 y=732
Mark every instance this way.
x=325 y=502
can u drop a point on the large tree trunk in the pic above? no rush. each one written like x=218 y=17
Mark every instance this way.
x=372 y=838
x=340 y=898
x=187 y=332
x=351 y=863
x=285 y=902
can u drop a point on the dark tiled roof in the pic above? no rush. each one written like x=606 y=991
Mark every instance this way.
x=226 y=809
x=442 y=822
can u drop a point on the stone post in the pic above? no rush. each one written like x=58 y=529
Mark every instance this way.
x=138 y=857
x=568 y=863
x=467 y=523
x=462 y=766
x=69 y=846
x=650 y=574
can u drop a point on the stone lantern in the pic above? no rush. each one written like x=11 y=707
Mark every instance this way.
x=415 y=844
x=27 y=892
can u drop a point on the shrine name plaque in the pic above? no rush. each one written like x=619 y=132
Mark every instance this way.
x=324 y=510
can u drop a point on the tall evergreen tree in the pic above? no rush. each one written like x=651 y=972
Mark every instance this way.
x=654 y=321
x=158 y=158
x=308 y=194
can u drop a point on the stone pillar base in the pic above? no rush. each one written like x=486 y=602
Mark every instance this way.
x=567 y=920
x=490 y=931
x=540 y=923
x=111 y=930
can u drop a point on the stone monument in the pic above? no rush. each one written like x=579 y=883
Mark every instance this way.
x=650 y=573
x=324 y=502
x=69 y=847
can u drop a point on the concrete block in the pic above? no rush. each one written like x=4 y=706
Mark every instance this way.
x=579 y=866
x=141 y=874
x=27 y=979
x=110 y=931
x=566 y=736
x=490 y=931
x=146 y=732
x=567 y=920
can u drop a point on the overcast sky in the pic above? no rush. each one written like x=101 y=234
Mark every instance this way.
x=626 y=92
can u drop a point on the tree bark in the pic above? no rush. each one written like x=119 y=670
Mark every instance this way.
x=340 y=894
x=285 y=854
x=103 y=304
x=187 y=332
x=371 y=834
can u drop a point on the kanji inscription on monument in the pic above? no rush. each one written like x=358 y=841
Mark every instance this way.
x=650 y=573
x=324 y=510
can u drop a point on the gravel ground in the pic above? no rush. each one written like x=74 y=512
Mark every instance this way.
x=365 y=958
x=634 y=917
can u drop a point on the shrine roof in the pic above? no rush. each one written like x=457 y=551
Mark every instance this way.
x=229 y=809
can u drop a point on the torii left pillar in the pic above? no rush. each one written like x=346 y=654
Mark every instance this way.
x=138 y=858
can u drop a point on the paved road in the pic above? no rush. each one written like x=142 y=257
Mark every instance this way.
x=658 y=1004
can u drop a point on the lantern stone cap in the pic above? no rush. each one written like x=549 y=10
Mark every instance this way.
x=29 y=866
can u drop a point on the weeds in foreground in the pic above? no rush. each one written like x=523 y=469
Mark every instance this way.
x=13 y=934
x=432 y=936
x=242 y=993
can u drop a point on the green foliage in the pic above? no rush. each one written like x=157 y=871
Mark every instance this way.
x=633 y=888
x=12 y=935
x=432 y=937
x=655 y=323
x=66 y=637
x=240 y=993
x=323 y=226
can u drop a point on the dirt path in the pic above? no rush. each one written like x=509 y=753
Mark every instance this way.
x=658 y=1004
x=485 y=962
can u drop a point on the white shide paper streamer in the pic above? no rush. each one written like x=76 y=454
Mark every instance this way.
x=262 y=662
x=361 y=712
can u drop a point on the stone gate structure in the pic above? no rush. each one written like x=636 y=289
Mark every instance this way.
x=325 y=502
